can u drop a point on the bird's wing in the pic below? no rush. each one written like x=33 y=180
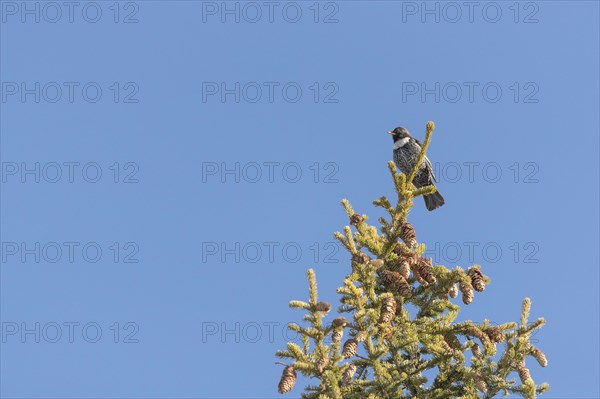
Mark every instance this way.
x=430 y=167
x=427 y=162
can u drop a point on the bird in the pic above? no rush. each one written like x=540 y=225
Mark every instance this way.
x=406 y=153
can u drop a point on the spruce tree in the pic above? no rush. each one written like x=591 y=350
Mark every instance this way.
x=396 y=336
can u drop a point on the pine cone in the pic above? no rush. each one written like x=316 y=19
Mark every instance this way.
x=408 y=235
x=388 y=277
x=404 y=288
x=447 y=348
x=339 y=322
x=288 y=379
x=418 y=276
x=350 y=348
x=338 y=325
x=356 y=219
x=396 y=282
x=360 y=258
x=322 y=307
x=405 y=261
x=337 y=334
x=388 y=309
x=323 y=362
x=348 y=374
x=539 y=356
x=477 y=279
x=361 y=336
x=476 y=350
x=425 y=270
x=453 y=341
x=376 y=263
x=453 y=291
x=477 y=333
x=467 y=291
x=398 y=249
x=404 y=269
x=524 y=373
x=495 y=334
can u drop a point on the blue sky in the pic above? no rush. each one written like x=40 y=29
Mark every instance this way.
x=170 y=170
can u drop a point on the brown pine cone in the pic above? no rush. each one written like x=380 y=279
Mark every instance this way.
x=476 y=350
x=417 y=275
x=453 y=341
x=376 y=263
x=323 y=362
x=338 y=325
x=467 y=291
x=404 y=269
x=396 y=282
x=388 y=277
x=388 y=309
x=348 y=374
x=524 y=374
x=408 y=235
x=360 y=258
x=447 y=349
x=477 y=333
x=424 y=269
x=322 y=307
x=477 y=279
x=404 y=288
x=453 y=291
x=339 y=322
x=405 y=261
x=356 y=219
x=398 y=249
x=495 y=334
x=539 y=356
x=361 y=336
x=350 y=348
x=337 y=334
x=288 y=379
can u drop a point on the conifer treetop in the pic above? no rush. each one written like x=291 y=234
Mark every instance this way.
x=398 y=316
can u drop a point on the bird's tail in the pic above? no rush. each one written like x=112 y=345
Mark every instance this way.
x=433 y=201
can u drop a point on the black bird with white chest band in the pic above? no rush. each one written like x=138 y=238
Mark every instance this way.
x=406 y=153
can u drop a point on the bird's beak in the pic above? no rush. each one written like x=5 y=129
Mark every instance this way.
x=391 y=133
